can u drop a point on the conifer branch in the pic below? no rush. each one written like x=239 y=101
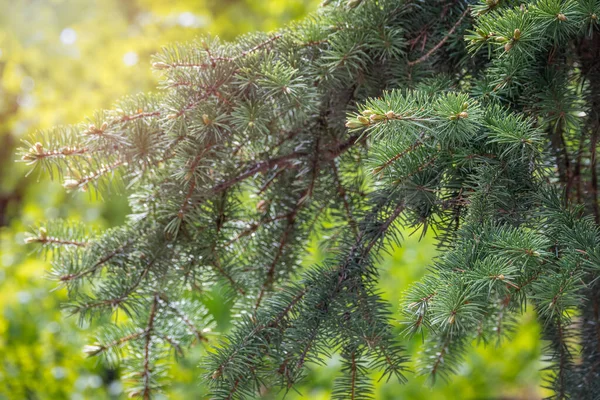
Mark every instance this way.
x=353 y=372
x=100 y=348
x=439 y=359
x=148 y=333
x=140 y=115
x=37 y=152
x=55 y=241
x=284 y=161
x=186 y=320
x=267 y=284
x=398 y=156
x=263 y=118
x=172 y=341
x=93 y=176
x=344 y=197
x=435 y=48
x=102 y=261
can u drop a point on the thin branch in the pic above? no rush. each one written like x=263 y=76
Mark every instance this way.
x=98 y=264
x=139 y=115
x=441 y=43
x=103 y=170
x=440 y=357
x=148 y=340
x=291 y=219
x=53 y=240
x=37 y=153
x=284 y=161
x=594 y=177
x=399 y=155
x=213 y=60
x=353 y=371
x=254 y=227
x=100 y=348
x=342 y=192
x=199 y=335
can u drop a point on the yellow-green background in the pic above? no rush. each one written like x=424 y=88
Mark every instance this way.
x=48 y=76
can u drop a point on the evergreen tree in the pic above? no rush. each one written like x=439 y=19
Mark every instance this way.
x=479 y=120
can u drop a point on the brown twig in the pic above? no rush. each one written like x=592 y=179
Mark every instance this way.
x=148 y=340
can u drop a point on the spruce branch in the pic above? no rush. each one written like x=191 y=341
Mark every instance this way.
x=435 y=48
x=252 y=145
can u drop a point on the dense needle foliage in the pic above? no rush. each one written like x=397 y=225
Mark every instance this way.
x=477 y=120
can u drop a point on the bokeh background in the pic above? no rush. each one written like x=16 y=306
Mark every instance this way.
x=59 y=61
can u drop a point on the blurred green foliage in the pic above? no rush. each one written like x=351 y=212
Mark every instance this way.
x=59 y=61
